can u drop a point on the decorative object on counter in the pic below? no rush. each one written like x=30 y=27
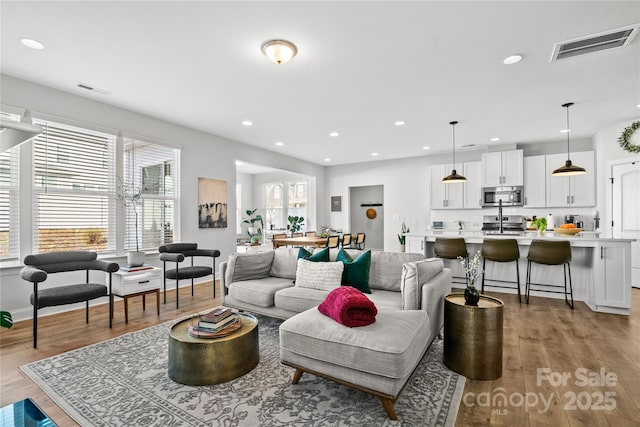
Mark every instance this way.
x=254 y=232
x=541 y=225
x=625 y=138
x=473 y=271
x=568 y=229
x=131 y=197
x=371 y=213
x=454 y=178
x=402 y=236
x=569 y=168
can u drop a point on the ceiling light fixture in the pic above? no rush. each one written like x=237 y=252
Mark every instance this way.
x=279 y=143
x=279 y=51
x=454 y=178
x=31 y=43
x=568 y=169
x=247 y=123
x=495 y=139
x=400 y=123
x=426 y=147
x=327 y=159
x=513 y=59
x=374 y=154
x=334 y=134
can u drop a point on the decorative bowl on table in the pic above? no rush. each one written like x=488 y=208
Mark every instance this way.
x=568 y=231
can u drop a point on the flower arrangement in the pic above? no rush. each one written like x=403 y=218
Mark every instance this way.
x=472 y=270
x=403 y=232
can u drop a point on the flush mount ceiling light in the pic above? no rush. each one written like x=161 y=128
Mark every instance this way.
x=513 y=59
x=279 y=143
x=247 y=123
x=334 y=134
x=400 y=123
x=454 y=178
x=279 y=51
x=568 y=169
x=31 y=43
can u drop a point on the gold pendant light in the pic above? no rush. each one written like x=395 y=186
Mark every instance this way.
x=569 y=169
x=454 y=178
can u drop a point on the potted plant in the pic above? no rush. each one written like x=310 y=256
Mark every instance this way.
x=296 y=223
x=401 y=237
x=541 y=225
x=5 y=319
x=254 y=232
x=473 y=271
x=130 y=196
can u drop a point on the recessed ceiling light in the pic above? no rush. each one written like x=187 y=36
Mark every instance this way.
x=426 y=147
x=31 y=43
x=279 y=143
x=327 y=159
x=495 y=139
x=247 y=123
x=239 y=163
x=513 y=59
x=334 y=134
x=565 y=131
x=374 y=154
x=638 y=105
x=400 y=123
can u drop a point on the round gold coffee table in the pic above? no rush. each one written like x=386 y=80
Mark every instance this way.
x=473 y=337
x=199 y=361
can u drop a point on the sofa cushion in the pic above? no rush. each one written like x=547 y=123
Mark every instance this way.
x=285 y=261
x=319 y=255
x=353 y=253
x=319 y=275
x=386 y=269
x=299 y=299
x=385 y=299
x=249 y=266
x=258 y=292
x=356 y=271
x=414 y=275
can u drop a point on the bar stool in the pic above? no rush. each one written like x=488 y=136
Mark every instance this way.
x=452 y=248
x=500 y=250
x=550 y=252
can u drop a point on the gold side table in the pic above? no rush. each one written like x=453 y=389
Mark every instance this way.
x=199 y=361
x=473 y=337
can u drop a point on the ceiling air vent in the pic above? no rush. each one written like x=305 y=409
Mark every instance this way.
x=93 y=89
x=611 y=39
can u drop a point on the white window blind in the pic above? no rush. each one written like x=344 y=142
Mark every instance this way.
x=154 y=170
x=9 y=200
x=74 y=189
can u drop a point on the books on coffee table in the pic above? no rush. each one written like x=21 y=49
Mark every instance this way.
x=233 y=324
x=216 y=326
x=217 y=314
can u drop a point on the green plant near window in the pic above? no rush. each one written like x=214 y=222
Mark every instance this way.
x=403 y=231
x=296 y=223
x=5 y=319
x=254 y=232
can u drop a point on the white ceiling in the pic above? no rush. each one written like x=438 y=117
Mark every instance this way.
x=360 y=67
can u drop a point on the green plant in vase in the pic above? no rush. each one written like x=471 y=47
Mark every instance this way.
x=540 y=224
x=473 y=270
x=296 y=223
x=254 y=232
x=402 y=236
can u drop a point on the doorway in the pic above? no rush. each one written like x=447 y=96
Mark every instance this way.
x=366 y=214
x=625 y=208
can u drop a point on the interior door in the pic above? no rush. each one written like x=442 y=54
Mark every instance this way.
x=625 y=211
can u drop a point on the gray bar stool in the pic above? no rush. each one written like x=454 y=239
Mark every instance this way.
x=451 y=248
x=501 y=250
x=550 y=252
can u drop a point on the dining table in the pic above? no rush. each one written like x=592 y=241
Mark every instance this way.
x=315 y=241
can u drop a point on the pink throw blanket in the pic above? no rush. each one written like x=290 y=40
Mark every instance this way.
x=349 y=306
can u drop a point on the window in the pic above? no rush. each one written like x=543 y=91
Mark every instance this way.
x=154 y=171
x=73 y=189
x=9 y=201
x=294 y=199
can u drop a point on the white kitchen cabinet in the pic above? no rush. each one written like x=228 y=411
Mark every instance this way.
x=613 y=276
x=415 y=244
x=535 y=181
x=473 y=186
x=446 y=196
x=502 y=168
x=572 y=191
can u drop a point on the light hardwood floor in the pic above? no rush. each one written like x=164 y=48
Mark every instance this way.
x=546 y=334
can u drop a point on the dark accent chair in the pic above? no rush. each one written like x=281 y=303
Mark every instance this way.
x=38 y=267
x=177 y=252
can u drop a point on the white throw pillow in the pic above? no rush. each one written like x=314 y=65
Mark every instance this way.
x=324 y=276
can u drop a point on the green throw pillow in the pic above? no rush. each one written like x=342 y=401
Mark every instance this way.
x=321 y=255
x=356 y=271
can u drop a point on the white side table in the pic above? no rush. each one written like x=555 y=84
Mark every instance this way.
x=128 y=284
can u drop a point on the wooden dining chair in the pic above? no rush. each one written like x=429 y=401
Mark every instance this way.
x=346 y=240
x=278 y=236
x=311 y=234
x=333 y=241
x=297 y=234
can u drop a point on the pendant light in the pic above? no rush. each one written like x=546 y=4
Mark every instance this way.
x=454 y=178
x=569 y=168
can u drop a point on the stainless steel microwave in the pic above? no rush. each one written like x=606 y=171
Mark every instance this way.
x=510 y=196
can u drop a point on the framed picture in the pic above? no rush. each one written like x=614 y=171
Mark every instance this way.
x=336 y=203
x=212 y=203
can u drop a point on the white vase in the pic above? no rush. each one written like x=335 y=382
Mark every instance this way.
x=402 y=248
x=135 y=259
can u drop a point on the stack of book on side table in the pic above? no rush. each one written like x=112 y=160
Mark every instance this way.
x=217 y=323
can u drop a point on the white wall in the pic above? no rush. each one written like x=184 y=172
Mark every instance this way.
x=203 y=155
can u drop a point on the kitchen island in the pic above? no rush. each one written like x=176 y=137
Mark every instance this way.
x=600 y=265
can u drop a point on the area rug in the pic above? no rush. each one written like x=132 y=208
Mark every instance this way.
x=124 y=382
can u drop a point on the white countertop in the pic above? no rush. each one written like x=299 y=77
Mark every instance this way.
x=584 y=238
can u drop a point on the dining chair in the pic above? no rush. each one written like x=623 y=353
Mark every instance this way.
x=360 y=241
x=278 y=236
x=297 y=234
x=311 y=234
x=333 y=241
x=346 y=240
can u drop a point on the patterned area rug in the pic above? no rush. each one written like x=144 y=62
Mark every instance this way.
x=124 y=382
